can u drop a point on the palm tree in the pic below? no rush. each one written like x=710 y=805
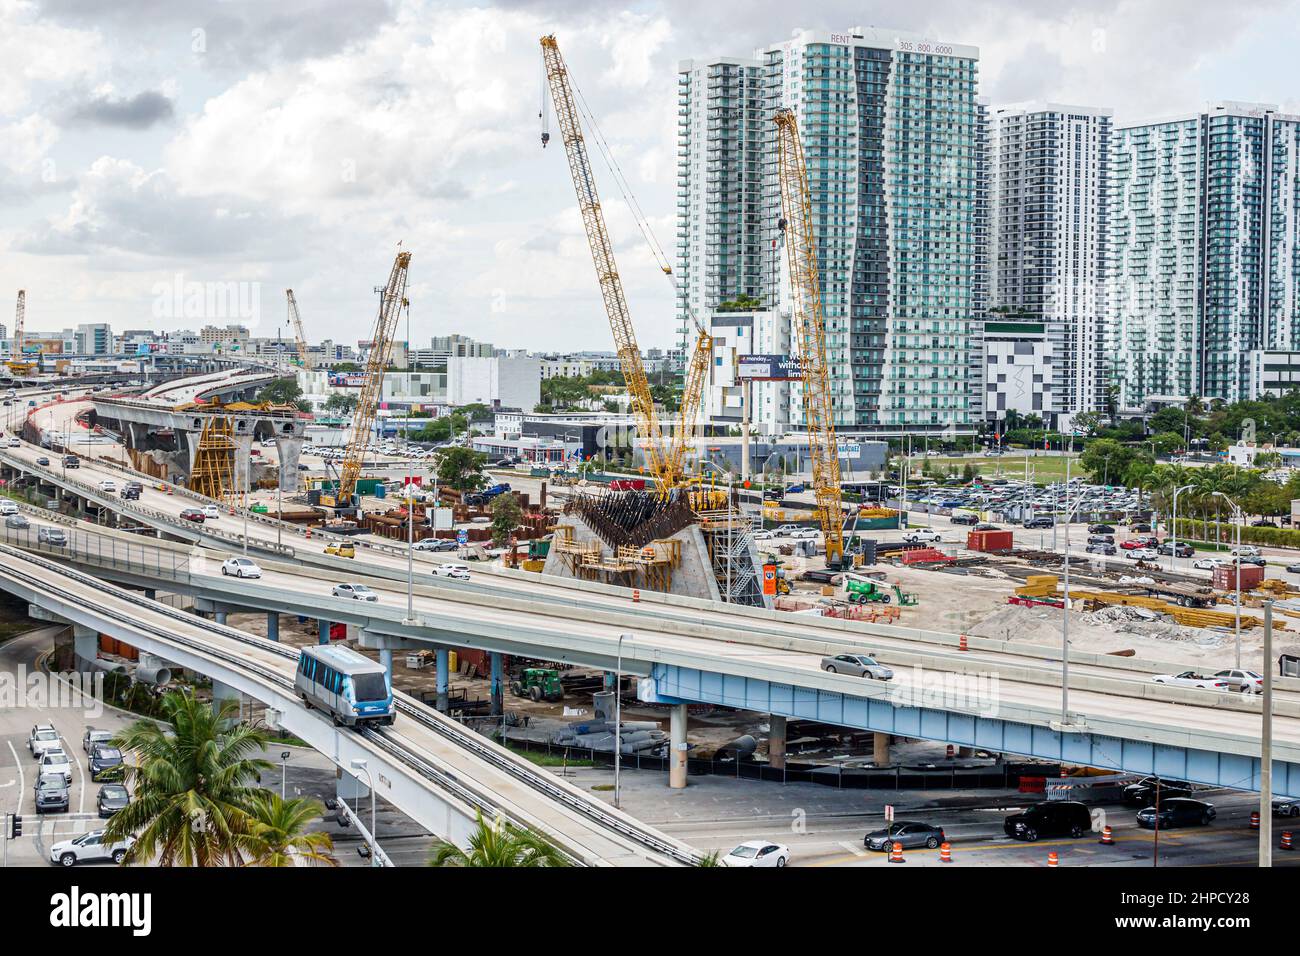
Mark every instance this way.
x=280 y=836
x=498 y=844
x=193 y=803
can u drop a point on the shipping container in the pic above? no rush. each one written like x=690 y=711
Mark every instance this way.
x=1225 y=577
x=988 y=541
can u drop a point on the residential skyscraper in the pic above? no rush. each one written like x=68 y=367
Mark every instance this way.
x=891 y=133
x=1203 y=256
x=1049 y=170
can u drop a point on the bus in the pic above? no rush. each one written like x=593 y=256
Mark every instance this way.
x=348 y=686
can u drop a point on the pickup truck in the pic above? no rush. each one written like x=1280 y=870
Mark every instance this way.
x=627 y=484
x=919 y=535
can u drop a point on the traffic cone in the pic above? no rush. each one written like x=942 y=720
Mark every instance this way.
x=636 y=594
x=1106 y=838
x=1286 y=840
x=309 y=532
x=896 y=854
x=945 y=853
x=1052 y=859
x=1254 y=819
x=951 y=751
x=964 y=647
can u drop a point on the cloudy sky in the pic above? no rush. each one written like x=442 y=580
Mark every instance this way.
x=145 y=143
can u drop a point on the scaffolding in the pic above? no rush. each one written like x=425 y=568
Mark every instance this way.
x=728 y=534
x=213 y=474
x=648 y=566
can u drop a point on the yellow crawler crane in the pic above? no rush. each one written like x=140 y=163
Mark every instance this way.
x=810 y=332
x=299 y=337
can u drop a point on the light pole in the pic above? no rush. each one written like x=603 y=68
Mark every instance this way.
x=1237 y=519
x=284 y=765
x=618 y=715
x=359 y=764
x=1266 y=747
x=1173 y=534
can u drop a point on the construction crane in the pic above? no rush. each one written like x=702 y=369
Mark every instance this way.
x=300 y=337
x=16 y=363
x=810 y=332
x=381 y=348
x=602 y=254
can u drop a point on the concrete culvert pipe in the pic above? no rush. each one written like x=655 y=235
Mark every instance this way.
x=109 y=667
x=157 y=676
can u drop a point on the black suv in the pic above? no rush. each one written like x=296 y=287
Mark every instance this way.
x=1054 y=818
x=105 y=763
x=131 y=490
x=1143 y=793
x=71 y=461
x=1040 y=521
x=1100 y=529
x=965 y=518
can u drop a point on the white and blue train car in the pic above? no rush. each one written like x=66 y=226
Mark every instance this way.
x=348 y=686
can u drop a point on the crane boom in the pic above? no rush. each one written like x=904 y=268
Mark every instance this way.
x=810 y=332
x=16 y=349
x=300 y=337
x=381 y=348
x=602 y=254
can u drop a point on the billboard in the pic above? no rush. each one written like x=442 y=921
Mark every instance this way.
x=769 y=368
x=347 y=379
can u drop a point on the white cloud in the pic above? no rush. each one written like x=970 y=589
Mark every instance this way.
x=36 y=55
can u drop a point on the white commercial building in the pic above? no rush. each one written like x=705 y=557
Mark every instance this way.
x=736 y=336
x=498 y=382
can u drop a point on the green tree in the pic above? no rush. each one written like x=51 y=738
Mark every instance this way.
x=193 y=801
x=506 y=516
x=341 y=404
x=280 y=834
x=1088 y=423
x=741 y=303
x=346 y=367
x=499 y=844
x=283 y=391
x=461 y=468
x=1106 y=460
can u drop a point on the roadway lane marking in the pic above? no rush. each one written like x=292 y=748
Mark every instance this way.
x=22 y=780
x=855 y=850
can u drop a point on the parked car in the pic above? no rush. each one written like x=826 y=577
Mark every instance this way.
x=1192 y=679
x=964 y=518
x=89 y=848
x=93 y=736
x=908 y=834
x=1133 y=544
x=757 y=853
x=17 y=522
x=1142 y=554
x=436 y=544
x=1245 y=551
x=856 y=665
x=1247 y=682
x=1040 y=521
x=1286 y=806
x=1293 y=568
x=786 y=529
x=1102 y=548
x=51 y=793
x=1180 y=550
x=458 y=571
x=1256 y=559
x=56 y=761
x=240 y=568
x=1100 y=529
x=106 y=762
x=43 y=737
x=1209 y=564
x=1055 y=818
x=762 y=534
x=1177 y=812
x=193 y=514
x=805 y=533
x=1101 y=539
x=1143 y=793
x=358 y=592
x=922 y=536
x=1140 y=528
x=987 y=526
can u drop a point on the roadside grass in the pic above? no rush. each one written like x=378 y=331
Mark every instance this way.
x=1044 y=469
x=550 y=760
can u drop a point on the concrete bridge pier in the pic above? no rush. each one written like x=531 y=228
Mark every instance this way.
x=273 y=625
x=880 y=750
x=385 y=644
x=222 y=692
x=443 y=662
x=289 y=452
x=776 y=741
x=85 y=643
x=496 y=696
x=677 y=747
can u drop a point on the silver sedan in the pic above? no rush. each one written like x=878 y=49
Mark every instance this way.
x=856 y=665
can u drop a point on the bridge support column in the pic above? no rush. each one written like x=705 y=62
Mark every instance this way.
x=272 y=625
x=221 y=692
x=610 y=680
x=677 y=751
x=85 y=643
x=289 y=451
x=497 y=702
x=880 y=750
x=324 y=636
x=151 y=594
x=386 y=658
x=776 y=742
x=443 y=661
x=220 y=616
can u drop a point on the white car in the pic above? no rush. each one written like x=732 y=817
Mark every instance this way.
x=919 y=535
x=241 y=568
x=57 y=762
x=42 y=738
x=210 y=512
x=8 y=507
x=806 y=533
x=458 y=571
x=757 y=853
x=88 y=848
x=358 y=592
x=762 y=534
x=108 y=485
x=1142 y=554
x=1245 y=551
x=1248 y=682
x=1206 y=564
x=15 y=443
x=1193 y=679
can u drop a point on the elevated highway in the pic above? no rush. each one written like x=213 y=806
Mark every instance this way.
x=439 y=773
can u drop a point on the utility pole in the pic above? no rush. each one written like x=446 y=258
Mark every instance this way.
x=1266 y=747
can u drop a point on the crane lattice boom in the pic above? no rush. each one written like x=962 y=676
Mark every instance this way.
x=381 y=348
x=16 y=348
x=810 y=332
x=602 y=254
x=299 y=336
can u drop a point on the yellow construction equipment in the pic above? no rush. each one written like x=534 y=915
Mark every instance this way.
x=299 y=337
x=214 y=461
x=16 y=363
x=810 y=333
x=381 y=348
x=602 y=254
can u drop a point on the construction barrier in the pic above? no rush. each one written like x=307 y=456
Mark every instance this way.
x=945 y=853
x=1052 y=859
x=1286 y=840
x=951 y=751
x=1254 y=819
x=964 y=646
x=1106 y=838
x=636 y=594
x=896 y=854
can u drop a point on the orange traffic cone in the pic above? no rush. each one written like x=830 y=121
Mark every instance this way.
x=896 y=854
x=636 y=594
x=963 y=643
x=309 y=532
x=951 y=751
x=1106 y=838
x=1052 y=859
x=945 y=853
x=1286 y=840
x=1254 y=819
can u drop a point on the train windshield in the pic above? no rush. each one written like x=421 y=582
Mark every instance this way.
x=369 y=687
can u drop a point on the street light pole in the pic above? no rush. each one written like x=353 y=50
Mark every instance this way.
x=1266 y=747
x=1237 y=519
x=1065 y=617
x=618 y=716
x=1173 y=539
x=359 y=764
